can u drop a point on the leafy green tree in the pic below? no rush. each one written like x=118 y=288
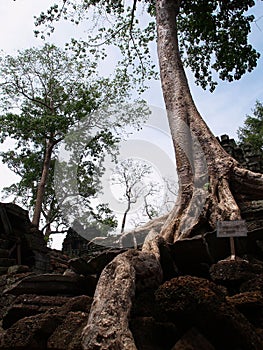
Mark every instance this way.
x=252 y=131
x=44 y=93
x=211 y=37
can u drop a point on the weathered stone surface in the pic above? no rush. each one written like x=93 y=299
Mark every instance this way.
x=24 y=243
x=53 y=284
x=32 y=333
x=243 y=153
x=151 y=335
x=144 y=304
x=190 y=253
x=232 y=273
x=251 y=305
x=253 y=285
x=168 y=264
x=96 y=264
x=67 y=335
x=56 y=322
x=196 y=302
x=59 y=262
x=193 y=340
x=29 y=305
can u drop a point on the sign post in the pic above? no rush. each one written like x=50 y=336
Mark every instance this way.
x=232 y=229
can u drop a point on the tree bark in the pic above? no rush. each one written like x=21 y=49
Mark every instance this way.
x=42 y=184
x=211 y=184
x=108 y=323
x=204 y=168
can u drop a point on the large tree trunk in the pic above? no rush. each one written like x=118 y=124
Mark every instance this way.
x=211 y=186
x=42 y=184
x=209 y=178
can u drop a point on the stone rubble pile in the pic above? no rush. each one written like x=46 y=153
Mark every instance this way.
x=205 y=302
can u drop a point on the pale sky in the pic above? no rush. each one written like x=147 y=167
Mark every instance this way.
x=224 y=110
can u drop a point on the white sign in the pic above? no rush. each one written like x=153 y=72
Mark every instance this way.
x=236 y=228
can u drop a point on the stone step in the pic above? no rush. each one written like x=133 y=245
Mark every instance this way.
x=3 y=270
x=53 y=284
x=4 y=253
x=6 y=262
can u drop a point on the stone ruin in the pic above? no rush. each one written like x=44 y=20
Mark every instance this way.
x=243 y=153
x=20 y=243
x=76 y=245
x=206 y=302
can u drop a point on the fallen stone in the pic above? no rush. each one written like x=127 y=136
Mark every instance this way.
x=232 y=273
x=29 y=305
x=33 y=333
x=96 y=264
x=196 y=302
x=69 y=272
x=53 y=284
x=193 y=340
x=250 y=304
x=189 y=253
x=68 y=334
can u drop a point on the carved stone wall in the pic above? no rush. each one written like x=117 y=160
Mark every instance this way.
x=244 y=154
x=21 y=243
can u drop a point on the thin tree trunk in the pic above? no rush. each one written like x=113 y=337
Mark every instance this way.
x=125 y=216
x=42 y=184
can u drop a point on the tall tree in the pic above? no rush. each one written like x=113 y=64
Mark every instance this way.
x=206 y=35
x=44 y=93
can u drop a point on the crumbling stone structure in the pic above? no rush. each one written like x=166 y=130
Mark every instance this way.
x=21 y=243
x=243 y=153
x=205 y=301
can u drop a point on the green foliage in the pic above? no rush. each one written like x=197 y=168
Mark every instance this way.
x=252 y=132
x=213 y=35
x=44 y=94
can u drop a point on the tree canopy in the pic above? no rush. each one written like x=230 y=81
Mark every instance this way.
x=44 y=93
x=213 y=35
x=252 y=131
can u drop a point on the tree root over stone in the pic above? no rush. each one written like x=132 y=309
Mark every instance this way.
x=130 y=272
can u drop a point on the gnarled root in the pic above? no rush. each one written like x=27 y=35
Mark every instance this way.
x=137 y=236
x=248 y=183
x=207 y=205
x=108 y=323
